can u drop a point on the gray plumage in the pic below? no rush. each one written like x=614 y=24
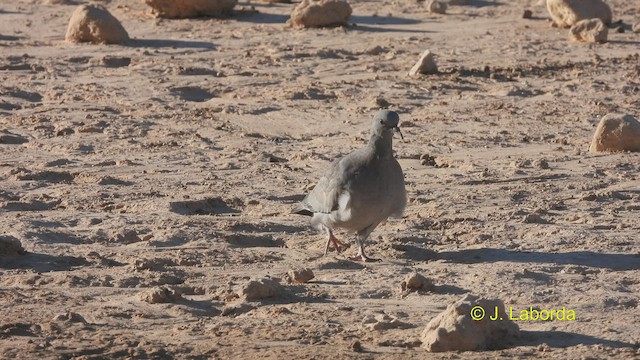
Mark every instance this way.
x=360 y=190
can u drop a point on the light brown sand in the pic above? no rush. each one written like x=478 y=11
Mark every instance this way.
x=247 y=113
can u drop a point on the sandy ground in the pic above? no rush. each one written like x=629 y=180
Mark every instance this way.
x=181 y=168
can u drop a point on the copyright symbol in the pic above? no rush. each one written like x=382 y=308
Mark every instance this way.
x=477 y=313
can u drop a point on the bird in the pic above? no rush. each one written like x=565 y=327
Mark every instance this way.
x=360 y=190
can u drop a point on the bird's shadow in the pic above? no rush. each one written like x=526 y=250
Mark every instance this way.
x=367 y=23
x=616 y=262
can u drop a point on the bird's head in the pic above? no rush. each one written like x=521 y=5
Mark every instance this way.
x=386 y=121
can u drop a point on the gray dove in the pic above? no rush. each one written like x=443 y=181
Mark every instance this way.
x=360 y=190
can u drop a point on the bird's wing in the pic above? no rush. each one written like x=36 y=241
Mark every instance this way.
x=325 y=196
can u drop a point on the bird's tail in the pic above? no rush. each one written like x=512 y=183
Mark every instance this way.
x=302 y=209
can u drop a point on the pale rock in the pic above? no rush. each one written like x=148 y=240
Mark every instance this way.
x=426 y=65
x=416 y=282
x=320 y=13
x=565 y=13
x=636 y=28
x=301 y=275
x=260 y=289
x=592 y=30
x=160 y=294
x=455 y=330
x=94 y=24
x=616 y=132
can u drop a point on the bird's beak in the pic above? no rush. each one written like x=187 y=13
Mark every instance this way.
x=397 y=130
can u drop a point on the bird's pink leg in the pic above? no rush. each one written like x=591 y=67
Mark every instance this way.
x=331 y=240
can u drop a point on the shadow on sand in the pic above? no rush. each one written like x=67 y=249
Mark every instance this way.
x=616 y=262
x=163 y=43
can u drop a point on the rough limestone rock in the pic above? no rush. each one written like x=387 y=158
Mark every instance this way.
x=416 y=282
x=10 y=246
x=592 y=30
x=437 y=7
x=180 y=9
x=426 y=65
x=616 y=132
x=455 y=330
x=261 y=289
x=636 y=28
x=94 y=24
x=320 y=13
x=565 y=13
x=160 y=294
x=301 y=275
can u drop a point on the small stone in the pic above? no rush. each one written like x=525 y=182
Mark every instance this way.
x=615 y=133
x=301 y=275
x=116 y=61
x=437 y=7
x=636 y=28
x=320 y=13
x=415 y=282
x=534 y=219
x=379 y=103
x=70 y=317
x=161 y=294
x=94 y=24
x=180 y=9
x=383 y=321
x=565 y=13
x=261 y=289
x=592 y=30
x=541 y=164
x=10 y=246
x=356 y=346
x=527 y=14
x=428 y=160
x=426 y=65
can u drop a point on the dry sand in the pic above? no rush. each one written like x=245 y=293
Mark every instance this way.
x=173 y=161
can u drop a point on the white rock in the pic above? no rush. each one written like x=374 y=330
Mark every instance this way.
x=616 y=132
x=94 y=24
x=565 y=13
x=320 y=13
x=426 y=65
x=591 y=30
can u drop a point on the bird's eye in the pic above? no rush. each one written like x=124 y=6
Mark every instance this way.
x=382 y=122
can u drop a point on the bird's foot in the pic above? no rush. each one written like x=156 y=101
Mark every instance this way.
x=363 y=258
x=339 y=246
